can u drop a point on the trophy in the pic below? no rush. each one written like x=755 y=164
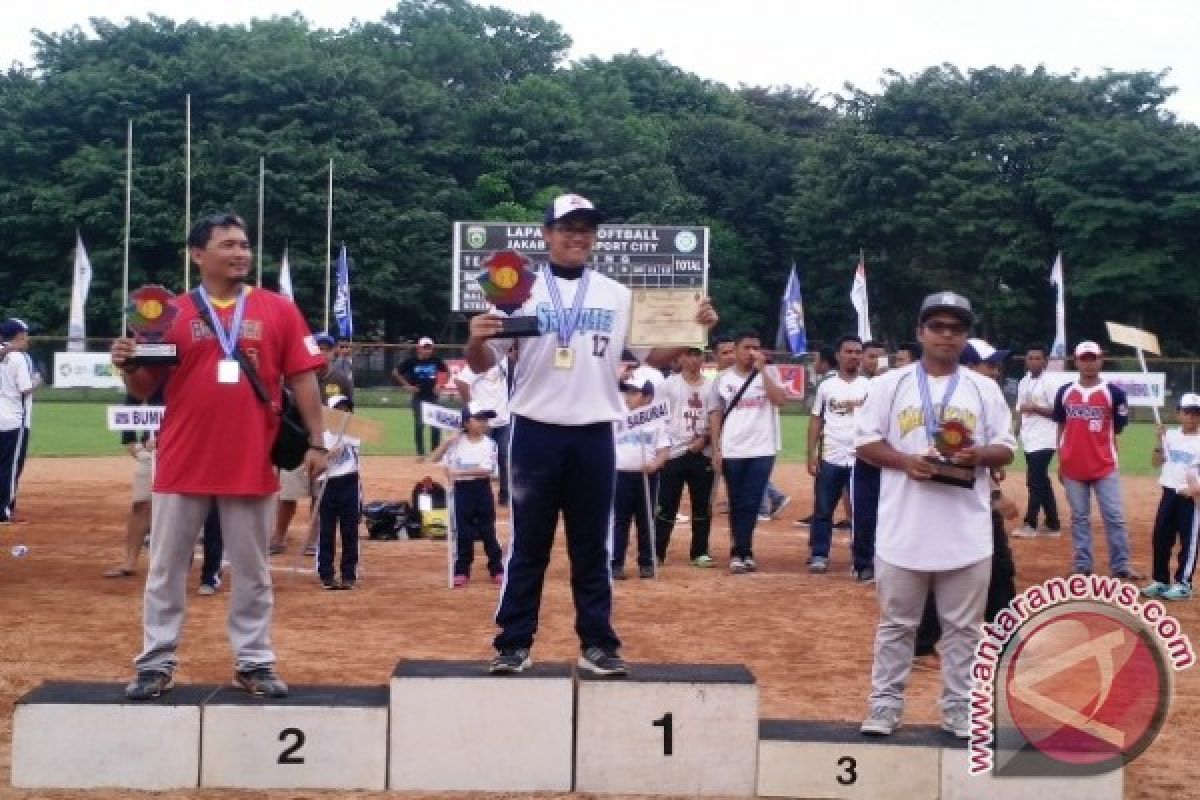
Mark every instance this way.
x=952 y=438
x=150 y=315
x=507 y=285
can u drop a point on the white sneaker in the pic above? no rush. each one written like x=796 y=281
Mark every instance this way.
x=764 y=517
x=1024 y=532
x=882 y=721
x=957 y=722
x=737 y=566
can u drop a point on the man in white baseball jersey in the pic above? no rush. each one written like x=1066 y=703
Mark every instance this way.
x=17 y=382
x=1039 y=439
x=565 y=399
x=938 y=535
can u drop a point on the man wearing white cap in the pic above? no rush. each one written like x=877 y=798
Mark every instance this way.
x=422 y=374
x=1090 y=413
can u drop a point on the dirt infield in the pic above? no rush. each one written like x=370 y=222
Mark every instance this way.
x=806 y=638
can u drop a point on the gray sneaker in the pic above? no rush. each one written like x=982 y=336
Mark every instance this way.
x=149 y=684
x=818 y=565
x=511 y=661
x=261 y=682
x=600 y=662
x=957 y=721
x=882 y=721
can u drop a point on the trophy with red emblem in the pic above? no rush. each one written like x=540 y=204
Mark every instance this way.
x=952 y=438
x=507 y=285
x=149 y=315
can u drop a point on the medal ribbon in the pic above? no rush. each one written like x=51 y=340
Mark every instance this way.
x=226 y=339
x=566 y=322
x=933 y=423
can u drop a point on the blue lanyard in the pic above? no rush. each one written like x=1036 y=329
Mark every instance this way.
x=933 y=423
x=566 y=322
x=226 y=339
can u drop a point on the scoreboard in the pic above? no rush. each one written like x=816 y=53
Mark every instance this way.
x=637 y=256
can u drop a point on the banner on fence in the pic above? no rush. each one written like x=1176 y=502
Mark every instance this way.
x=85 y=371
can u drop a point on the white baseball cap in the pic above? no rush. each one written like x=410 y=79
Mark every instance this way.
x=644 y=379
x=1088 y=348
x=568 y=205
x=337 y=399
x=1190 y=402
x=424 y=341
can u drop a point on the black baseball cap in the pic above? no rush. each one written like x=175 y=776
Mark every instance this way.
x=950 y=302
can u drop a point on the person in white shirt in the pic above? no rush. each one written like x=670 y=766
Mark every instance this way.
x=489 y=390
x=1178 y=454
x=17 y=383
x=1039 y=440
x=471 y=459
x=341 y=502
x=746 y=437
x=831 y=444
x=642 y=447
x=938 y=535
x=688 y=395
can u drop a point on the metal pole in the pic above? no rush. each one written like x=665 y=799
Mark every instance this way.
x=262 y=171
x=128 y=210
x=187 y=194
x=328 y=243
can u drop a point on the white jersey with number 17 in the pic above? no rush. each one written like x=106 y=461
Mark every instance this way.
x=587 y=391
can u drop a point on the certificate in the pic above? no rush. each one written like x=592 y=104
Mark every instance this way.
x=666 y=318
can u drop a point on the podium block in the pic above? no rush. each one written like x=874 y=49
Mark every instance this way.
x=75 y=735
x=457 y=728
x=833 y=760
x=318 y=737
x=958 y=784
x=681 y=729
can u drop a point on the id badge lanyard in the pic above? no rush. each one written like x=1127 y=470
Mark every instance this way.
x=227 y=368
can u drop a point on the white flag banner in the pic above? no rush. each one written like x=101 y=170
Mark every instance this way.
x=448 y=419
x=285 y=277
x=1059 y=349
x=81 y=283
x=858 y=297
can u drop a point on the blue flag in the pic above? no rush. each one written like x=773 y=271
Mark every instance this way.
x=341 y=302
x=792 y=335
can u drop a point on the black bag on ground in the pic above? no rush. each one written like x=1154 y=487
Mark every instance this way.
x=390 y=521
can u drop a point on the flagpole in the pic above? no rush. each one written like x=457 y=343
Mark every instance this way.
x=328 y=243
x=128 y=209
x=187 y=192
x=262 y=169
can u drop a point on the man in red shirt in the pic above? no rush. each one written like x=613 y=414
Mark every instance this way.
x=1090 y=413
x=214 y=445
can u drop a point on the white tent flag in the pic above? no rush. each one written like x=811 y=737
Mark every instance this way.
x=858 y=297
x=82 y=282
x=1059 y=348
x=285 y=278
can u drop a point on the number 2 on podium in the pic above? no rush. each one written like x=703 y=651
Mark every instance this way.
x=665 y=722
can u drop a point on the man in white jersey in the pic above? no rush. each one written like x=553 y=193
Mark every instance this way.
x=938 y=535
x=831 y=444
x=16 y=408
x=489 y=390
x=565 y=399
x=745 y=431
x=688 y=394
x=1039 y=440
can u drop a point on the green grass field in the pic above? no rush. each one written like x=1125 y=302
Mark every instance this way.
x=78 y=429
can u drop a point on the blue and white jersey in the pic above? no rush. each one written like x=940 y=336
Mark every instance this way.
x=641 y=433
x=464 y=455
x=16 y=391
x=343 y=460
x=1181 y=455
x=587 y=391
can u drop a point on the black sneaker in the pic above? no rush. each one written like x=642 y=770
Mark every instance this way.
x=510 y=662
x=148 y=684
x=618 y=573
x=261 y=682
x=598 y=662
x=646 y=572
x=865 y=575
x=349 y=584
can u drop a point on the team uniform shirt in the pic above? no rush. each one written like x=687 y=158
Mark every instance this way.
x=1181 y=455
x=489 y=390
x=1037 y=432
x=836 y=402
x=932 y=526
x=689 y=406
x=465 y=455
x=216 y=437
x=343 y=454
x=335 y=382
x=423 y=373
x=16 y=391
x=641 y=433
x=587 y=392
x=1091 y=418
x=751 y=429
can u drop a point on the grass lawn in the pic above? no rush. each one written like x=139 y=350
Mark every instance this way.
x=78 y=429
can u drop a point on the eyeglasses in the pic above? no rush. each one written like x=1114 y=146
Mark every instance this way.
x=942 y=328
x=576 y=229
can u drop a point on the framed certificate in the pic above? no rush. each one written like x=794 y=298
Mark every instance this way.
x=666 y=318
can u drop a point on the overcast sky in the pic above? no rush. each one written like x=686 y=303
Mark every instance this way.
x=774 y=42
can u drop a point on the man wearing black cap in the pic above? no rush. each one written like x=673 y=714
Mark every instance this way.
x=16 y=407
x=917 y=425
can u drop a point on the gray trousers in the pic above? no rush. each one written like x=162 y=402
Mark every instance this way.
x=246 y=528
x=961 y=596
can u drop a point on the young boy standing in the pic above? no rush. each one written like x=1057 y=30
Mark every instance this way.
x=470 y=461
x=1178 y=454
x=341 y=502
x=642 y=448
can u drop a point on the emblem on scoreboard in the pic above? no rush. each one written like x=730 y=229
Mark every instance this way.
x=476 y=237
x=686 y=241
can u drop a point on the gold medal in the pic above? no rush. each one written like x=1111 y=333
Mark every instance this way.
x=564 y=358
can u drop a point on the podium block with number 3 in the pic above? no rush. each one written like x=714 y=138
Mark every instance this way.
x=682 y=729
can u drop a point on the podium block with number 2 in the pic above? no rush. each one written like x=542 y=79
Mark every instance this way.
x=668 y=729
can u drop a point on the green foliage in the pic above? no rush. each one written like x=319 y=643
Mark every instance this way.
x=446 y=110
